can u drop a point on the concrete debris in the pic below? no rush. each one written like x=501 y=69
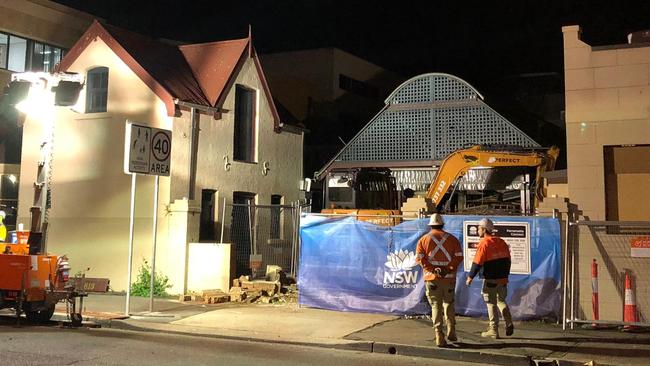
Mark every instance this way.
x=237 y=294
x=253 y=295
x=212 y=296
x=277 y=288
x=217 y=299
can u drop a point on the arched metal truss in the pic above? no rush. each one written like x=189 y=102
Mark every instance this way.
x=425 y=119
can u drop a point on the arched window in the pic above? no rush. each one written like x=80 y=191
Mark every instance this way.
x=96 y=90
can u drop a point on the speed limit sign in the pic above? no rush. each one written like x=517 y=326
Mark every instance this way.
x=147 y=150
x=161 y=148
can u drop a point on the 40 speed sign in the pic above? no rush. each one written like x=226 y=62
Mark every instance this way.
x=147 y=150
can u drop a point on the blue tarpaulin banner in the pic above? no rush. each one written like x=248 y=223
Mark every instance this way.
x=352 y=265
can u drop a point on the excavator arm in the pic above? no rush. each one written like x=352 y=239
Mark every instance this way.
x=457 y=164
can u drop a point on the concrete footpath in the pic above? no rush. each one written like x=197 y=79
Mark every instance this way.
x=533 y=342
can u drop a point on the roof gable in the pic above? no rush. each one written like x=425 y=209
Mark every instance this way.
x=160 y=66
x=213 y=64
x=197 y=73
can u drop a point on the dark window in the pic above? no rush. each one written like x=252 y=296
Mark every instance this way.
x=43 y=57
x=276 y=215
x=37 y=58
x=340 y=194
x=357 y=87
x=20 y=54
x=207 y=223
x=244 y=144
x=97 y=90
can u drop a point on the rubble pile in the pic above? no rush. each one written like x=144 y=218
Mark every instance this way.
x=275 y=288
x=214 y=296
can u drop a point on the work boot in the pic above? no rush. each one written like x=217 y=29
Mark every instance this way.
x=510 y=328
x=451 y=332
x=491 y=332
x=440 y=340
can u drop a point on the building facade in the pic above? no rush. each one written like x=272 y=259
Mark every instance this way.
x=241 y=148
x=607 y=91
x=608 y=127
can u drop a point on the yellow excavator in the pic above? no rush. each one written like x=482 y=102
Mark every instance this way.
x=372 y=194
x=458 y=163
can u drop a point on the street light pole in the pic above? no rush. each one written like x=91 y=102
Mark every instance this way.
x=44 y=91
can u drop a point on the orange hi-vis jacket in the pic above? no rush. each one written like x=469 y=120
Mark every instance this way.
x=493 y=255
x=439 y=249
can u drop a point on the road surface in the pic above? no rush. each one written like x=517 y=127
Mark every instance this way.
x=50 y=345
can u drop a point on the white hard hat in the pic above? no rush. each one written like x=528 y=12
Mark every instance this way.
x=436 y=220
x=3 y=214
x=486 y=224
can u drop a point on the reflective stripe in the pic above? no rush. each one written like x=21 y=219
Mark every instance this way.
x=440 y=246
x=459 y=254
x=451 y=275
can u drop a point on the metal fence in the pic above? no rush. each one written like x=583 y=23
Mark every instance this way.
x=262 y=235
x=607 y=266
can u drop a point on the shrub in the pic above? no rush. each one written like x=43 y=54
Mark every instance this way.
x=143 y=281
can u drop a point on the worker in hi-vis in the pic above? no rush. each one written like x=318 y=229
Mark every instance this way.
x=493 y=256
x=439 y=253
x=3 y=228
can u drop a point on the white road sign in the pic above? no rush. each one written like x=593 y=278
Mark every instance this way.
x=515 y=234
x=147 y=150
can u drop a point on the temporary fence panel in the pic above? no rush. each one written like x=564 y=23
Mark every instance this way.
x=352 y=265
x=263 y=235
x=619 y=295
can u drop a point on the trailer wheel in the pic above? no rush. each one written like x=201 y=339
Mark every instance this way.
x=76 y=319
x=39 y=316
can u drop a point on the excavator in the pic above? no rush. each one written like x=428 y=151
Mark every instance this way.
x=457 y=164
x=375 y=183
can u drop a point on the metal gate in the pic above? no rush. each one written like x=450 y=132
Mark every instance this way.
x=262 y=235
x=607 y=267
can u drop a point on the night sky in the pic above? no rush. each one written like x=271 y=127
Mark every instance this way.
x=478 y=41
x=487 y=43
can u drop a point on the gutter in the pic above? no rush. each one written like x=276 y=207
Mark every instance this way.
x=292 y=128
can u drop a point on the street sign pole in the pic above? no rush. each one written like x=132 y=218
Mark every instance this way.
x=131 y=227
x=155 y=236
x=147 y=150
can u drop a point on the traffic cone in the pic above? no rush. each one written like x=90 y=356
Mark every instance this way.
x=629 y=314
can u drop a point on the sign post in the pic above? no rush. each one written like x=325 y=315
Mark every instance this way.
x=147 y=150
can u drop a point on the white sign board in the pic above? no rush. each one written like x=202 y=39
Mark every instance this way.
x=515 y=234
x=147 y=150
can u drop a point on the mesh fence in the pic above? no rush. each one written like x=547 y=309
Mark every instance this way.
x=621 y=253
x=263 y=235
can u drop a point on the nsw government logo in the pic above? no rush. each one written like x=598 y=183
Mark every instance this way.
x=400 y=272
